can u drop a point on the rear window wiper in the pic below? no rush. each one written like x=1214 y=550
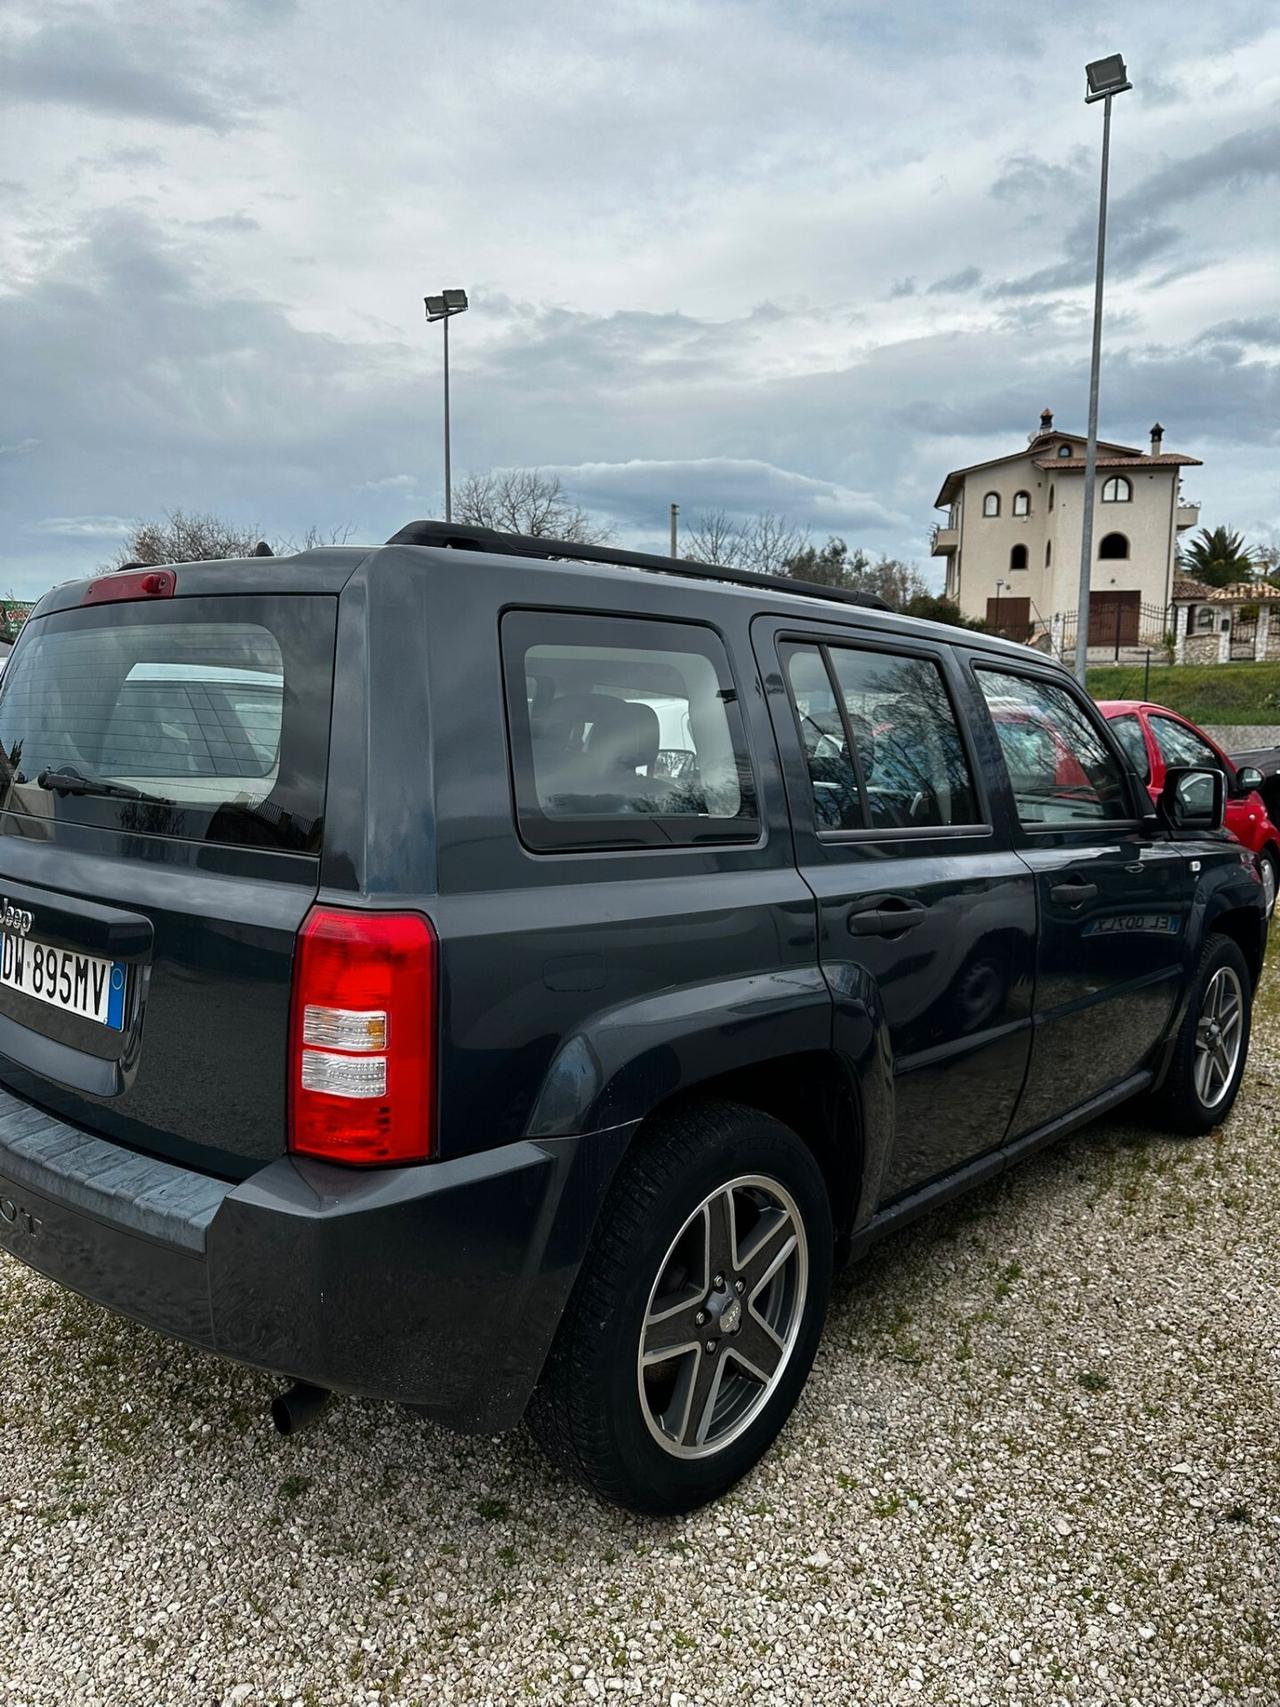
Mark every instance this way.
x=68 y=780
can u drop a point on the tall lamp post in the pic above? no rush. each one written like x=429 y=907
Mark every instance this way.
x=444 y=307
x=1000 y=586
x=1106 y=77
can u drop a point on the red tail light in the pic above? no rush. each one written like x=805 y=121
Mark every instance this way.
x=362 y=1038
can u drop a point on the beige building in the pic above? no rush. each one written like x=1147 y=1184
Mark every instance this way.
x=1011 y=538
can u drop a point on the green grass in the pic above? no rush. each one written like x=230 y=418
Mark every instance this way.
x=1206 y=693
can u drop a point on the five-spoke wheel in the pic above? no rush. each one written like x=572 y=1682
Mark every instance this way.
x=723 y=1315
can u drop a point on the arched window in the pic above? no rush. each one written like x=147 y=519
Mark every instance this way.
x=1022 y=503
x=1051 y=494
x=1117 y=490
x=1114 y=545
x=1064 y=450
x=1048 y=552
x=1204 y=616
x=1018 y=557
x=991 y=504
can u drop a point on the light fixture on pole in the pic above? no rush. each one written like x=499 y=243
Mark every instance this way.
x=1106 y=77
x=444 y=307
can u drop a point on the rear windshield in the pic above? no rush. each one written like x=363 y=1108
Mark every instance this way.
x=208 y=716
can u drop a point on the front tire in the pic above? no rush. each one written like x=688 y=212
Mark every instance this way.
x=696 y=1315
x=1213 y=1042
x=1269 y=866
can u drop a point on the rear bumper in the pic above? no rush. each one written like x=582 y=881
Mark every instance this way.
x=439 y=1285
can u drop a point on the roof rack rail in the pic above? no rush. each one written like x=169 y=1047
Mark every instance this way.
x=465 y=538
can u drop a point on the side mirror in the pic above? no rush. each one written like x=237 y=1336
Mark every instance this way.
x=1194 y=798
x=1248 y=779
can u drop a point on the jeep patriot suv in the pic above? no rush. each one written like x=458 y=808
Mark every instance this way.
x=504 y=976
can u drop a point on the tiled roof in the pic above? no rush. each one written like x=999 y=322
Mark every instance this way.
x=1245 y=592
x=1167 y=459
x=1192 y=591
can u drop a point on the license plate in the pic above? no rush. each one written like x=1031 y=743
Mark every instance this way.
x=75 y=983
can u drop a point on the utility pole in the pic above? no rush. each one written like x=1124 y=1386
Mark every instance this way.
x=675 y=530
x=444 y=307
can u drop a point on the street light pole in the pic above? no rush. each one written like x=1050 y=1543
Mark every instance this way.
x=444 y=307
x=1106 y=77
x=675 y=530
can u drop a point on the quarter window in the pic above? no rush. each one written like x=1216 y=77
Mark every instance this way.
x=1060 y=769
x=991 y=504
x=1022 y=503
x=1117 y=490
x=624 y=733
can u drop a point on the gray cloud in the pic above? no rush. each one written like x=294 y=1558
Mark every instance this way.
x=80 y=62
x=966 y=279
x=1259 y=329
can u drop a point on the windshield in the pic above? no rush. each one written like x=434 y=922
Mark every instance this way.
x=219 y=706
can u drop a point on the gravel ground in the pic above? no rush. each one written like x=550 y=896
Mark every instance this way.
x=1037 y=1463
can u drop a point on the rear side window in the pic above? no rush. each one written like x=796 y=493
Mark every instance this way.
x=1060 y=769
x=881 y=740
x=202 y=718
x=624 y=733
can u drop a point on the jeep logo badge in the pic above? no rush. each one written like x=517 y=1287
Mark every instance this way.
x=15 y=919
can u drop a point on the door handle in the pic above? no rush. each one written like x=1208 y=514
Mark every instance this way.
x=889 y=916
x=1075 y=893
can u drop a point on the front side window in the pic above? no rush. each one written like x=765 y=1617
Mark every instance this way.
x=1022 y=503
x=991 y=504
x=1060 y=769
x=1182 y=746
x=1128 y=731
x=1117 y=490
x=624 y=733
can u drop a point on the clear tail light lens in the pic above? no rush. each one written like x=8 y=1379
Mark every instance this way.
x=362 y=1038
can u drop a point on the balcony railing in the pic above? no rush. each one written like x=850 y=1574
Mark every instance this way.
x=1187 y=515
x=945 y=541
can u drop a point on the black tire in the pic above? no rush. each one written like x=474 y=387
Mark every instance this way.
x=594 y=1410
x=1179 y=1104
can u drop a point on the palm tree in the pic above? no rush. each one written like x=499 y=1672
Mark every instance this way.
x=1218 y=558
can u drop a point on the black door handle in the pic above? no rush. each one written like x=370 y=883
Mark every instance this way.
x=888 y=916
x=1075 y=893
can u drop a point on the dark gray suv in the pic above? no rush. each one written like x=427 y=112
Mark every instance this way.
x=502 y=982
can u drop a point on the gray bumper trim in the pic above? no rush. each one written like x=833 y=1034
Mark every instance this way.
x=170 y=1204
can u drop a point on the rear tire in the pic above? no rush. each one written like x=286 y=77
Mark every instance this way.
x=696 y=1315
x=1213 y=1043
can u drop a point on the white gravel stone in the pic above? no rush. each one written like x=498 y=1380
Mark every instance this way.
x=953 y=1516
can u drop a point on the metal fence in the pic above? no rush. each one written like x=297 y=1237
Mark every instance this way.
x=1115 y=625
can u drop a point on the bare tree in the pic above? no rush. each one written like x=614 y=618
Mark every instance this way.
x=200 y=537
x=770 y=542
x=834 y=565
x=714 y=538
x=765 y=543
x=526 y=500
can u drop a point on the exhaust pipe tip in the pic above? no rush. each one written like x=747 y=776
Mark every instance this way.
x=301 y=1406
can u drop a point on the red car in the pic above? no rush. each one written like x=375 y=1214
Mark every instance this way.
x=1153 y=737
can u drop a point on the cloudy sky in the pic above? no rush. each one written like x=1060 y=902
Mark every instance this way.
x=786 y=254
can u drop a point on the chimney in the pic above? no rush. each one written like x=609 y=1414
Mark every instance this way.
x=1046 y=420
x=1157 y=439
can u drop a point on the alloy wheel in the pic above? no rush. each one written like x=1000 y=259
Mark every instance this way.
x=1219 y=1032
x=723 y=1316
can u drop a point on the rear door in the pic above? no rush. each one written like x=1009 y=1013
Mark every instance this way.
x=926 y=916
x=162 y=786
x=1113 y=890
